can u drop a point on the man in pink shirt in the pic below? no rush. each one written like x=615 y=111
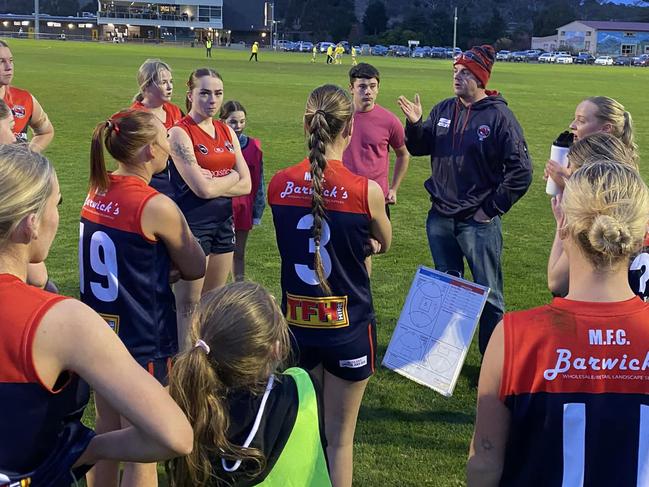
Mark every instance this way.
x=375 y=131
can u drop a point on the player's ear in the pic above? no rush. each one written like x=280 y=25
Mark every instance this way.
x=349 y=128
x=26 y=230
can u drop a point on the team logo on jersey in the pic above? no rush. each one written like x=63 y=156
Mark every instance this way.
x=444 y=123
x=483 y=132
x=219 y=150
x=18 y=111
x=309 y=312
x=229 y=146
x=112 y=320
x=202 y=149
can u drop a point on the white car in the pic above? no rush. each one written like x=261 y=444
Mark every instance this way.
x=548 y=57
x=563 y=59
x=604 y=60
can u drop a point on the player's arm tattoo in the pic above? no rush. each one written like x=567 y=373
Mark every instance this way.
x=486 y=444
x=186 y=154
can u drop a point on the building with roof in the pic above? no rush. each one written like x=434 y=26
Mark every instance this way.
x=604 y=38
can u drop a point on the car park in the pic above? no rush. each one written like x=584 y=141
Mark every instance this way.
x=365 y=49
x=584 y=58
x=401 y=51
x=438 y=52
x=503 y=55
x=563 y=59
x=419 y=52
x=604 y=61
x=533 y=54
x=305 y=46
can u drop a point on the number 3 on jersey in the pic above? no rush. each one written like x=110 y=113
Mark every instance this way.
x=304 y=272
x=103 y=262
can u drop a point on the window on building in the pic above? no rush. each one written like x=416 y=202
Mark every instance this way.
x=563 y=32
x=587 y=45
x=627 y=50
x=629 y=34
x=589 y=33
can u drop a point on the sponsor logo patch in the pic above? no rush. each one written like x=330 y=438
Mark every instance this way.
x=18 y=111
x=355 y=363
x=483 y=132
x=112 y=320
x=444 y=123
x=309 y=312
x=229 y=146
x=202 y=149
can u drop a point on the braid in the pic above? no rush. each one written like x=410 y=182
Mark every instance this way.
x=318 y=138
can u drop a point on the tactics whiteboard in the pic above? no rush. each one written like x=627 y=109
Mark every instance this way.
x=435 y=329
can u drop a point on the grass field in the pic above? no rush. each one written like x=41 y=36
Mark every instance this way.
x=407 y=435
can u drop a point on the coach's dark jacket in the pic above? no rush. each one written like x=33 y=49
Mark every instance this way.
x=478 y=156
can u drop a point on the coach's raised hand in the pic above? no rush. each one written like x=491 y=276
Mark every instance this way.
x=412 y=110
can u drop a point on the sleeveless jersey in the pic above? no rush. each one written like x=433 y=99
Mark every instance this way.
x=576 y=381
x=639 y=272
x=162 y=180
x=124 y=276
x=40 y=427
x=242 y=206
x=215 y=154
x=316 y=319
x=21 y=104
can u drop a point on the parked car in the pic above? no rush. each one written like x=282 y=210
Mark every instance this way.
x=379 y=50
x=438 y=52
x=365 y=49
x=503 y=55
x=282 y=45
x=584 y=58
x=520 y=56
x=547 y=57
x=623 y=61
x=563 y=59
x=323 y=46
x=604 y=61
x=401 y=51
x=419 y=52
x=305 y=46
x=450 y=54
x=533 y=54
x=642 y=60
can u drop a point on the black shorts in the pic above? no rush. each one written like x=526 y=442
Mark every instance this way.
x=217 y=238
x=354 y=361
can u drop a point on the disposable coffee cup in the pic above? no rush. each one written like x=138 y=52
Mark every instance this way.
x=559 y=153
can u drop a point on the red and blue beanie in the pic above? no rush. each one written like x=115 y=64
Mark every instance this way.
x=479 y=60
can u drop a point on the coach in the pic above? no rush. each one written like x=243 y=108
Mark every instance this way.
x=480 y=168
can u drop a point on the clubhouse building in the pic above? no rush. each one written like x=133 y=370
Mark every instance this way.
x=598 y=38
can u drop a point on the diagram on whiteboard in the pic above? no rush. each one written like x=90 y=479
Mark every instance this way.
x=435 y=329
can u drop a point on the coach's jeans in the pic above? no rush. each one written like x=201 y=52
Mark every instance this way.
x=451 y=240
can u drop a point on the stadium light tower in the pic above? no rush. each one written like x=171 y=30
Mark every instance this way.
x=454 y=31
x=37 y=22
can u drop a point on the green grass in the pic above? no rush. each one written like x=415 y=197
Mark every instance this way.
x=407 y=435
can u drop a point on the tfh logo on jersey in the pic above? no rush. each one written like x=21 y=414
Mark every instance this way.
x=444 y=123
x=309 y=312
x=202 y=149
x=483 y=132
x=18 y=111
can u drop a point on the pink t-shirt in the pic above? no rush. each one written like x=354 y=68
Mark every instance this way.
x=368 y=152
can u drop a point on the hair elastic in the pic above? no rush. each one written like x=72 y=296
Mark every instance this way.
x=201 y=344
x=111 y=124
x=321 y=112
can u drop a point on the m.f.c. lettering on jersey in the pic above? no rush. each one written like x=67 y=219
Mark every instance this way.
x=309 y=312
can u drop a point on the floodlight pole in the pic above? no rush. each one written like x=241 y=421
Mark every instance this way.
x=36 y=19
x=454 y=31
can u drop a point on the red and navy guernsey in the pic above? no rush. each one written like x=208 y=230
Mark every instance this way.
x=40 y=427
x=215 y=154
x=124 y=276
x=576 y=381
x=315 y=318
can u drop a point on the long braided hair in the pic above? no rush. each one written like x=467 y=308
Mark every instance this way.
x=328 y=111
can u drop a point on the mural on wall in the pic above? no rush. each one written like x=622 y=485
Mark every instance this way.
x=610 y=42
x=574 y=39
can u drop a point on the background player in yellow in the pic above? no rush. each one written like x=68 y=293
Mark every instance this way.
x=340 y=50
x=354 y=63
x=253 y=51
x=330 y=54
x=314 y=53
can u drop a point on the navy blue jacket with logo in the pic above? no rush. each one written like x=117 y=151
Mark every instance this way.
x=478 y=156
